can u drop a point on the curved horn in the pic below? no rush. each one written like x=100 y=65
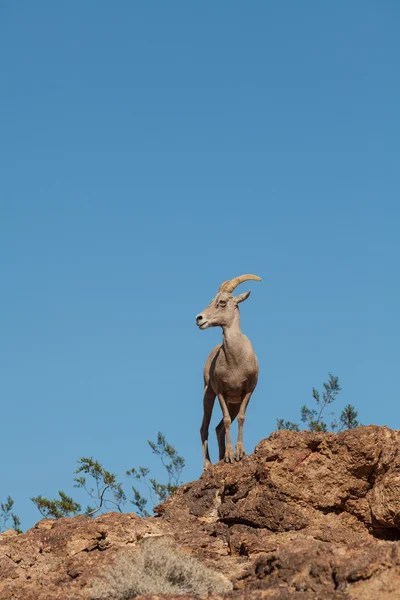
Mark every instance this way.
x=231 y=284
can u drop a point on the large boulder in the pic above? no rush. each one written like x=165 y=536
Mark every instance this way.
x=307 y=516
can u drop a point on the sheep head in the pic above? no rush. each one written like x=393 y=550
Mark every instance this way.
x=221 y=310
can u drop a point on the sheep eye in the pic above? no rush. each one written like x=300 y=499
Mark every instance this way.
x=222 y=304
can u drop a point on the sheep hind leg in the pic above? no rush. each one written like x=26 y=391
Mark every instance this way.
x=208 y=402
x=233 y=410
x=241 y=416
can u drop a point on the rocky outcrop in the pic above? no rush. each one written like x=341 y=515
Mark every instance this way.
x=307 y=516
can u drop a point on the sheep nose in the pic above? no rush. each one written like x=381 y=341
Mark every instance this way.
x=199 y=318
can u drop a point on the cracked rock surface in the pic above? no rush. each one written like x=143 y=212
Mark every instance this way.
x=310 y=516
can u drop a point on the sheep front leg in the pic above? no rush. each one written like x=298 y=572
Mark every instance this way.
x=229 y=454
x=241 y=416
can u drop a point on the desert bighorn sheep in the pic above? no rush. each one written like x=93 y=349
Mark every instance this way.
x=230 y=372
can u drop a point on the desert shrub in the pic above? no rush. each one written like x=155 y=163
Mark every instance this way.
x=105 y=491
x=57 y=508
x=8 y=519
x=314 y=417
x=158 y=568
x=158 y=492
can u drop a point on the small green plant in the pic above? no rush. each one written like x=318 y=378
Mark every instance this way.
x=289 y=425
x=104 y=483
x=315 y=418
x=157 y=568
x=8 y=519
x=158 y=492
x=348 y=418
x=101 y=486
x=106 y=493
x=57 y=508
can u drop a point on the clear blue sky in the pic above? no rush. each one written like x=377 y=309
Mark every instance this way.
x=149 y=151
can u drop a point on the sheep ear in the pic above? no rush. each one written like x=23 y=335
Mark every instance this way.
x=242 y=297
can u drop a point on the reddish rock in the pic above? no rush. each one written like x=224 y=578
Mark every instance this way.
x=310 y=516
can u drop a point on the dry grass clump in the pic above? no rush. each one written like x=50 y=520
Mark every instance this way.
x=157 y=569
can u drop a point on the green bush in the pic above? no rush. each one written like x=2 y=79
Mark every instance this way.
x=315 y=418
x=8 y=519
x=106 y=492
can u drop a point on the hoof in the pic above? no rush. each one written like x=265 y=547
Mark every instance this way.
x=240 y=453
x=229 y=458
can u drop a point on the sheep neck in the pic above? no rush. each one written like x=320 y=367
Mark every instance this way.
x=233 y=339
